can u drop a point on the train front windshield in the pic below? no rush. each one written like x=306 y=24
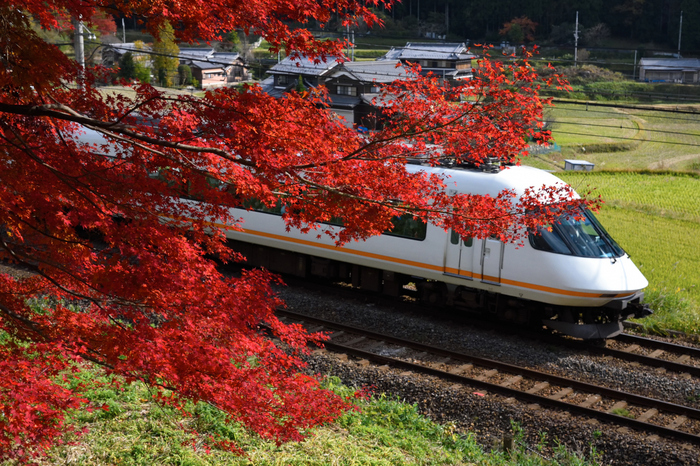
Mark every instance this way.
x=584 y=237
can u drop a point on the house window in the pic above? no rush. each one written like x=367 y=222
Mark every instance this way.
x=282 y=80
x=347 y=90
x=375 y=89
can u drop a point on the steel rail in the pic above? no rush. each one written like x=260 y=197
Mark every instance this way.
x=658 y=344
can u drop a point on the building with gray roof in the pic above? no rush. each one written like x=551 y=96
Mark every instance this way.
x=449 y=60
x=673 y=70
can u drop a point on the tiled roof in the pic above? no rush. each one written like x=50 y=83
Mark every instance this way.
x=129 y=47
x=230 y=56
x=301 y=65
x=344 y=101
x=670 y=63
x=205 y=65
x=429 y=51
x=196 y=53
x=268 y=86
x=383 y=71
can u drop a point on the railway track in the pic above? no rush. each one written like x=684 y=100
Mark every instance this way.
x=529 y=386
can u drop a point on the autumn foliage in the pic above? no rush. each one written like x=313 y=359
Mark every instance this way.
x=519 y=30
x=120 y=268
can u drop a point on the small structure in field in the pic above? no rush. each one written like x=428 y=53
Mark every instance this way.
x=578 y=165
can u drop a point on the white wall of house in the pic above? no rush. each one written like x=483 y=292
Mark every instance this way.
x=348 y=115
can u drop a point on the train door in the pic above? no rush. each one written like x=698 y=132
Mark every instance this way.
x=458 y=260
x=491 y=260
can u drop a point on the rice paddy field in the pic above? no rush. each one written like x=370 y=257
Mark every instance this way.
x=647 y=171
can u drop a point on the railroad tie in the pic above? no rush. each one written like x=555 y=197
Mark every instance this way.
x=374 y=345
x=631 y=348
x=648 y=414
x=618 y=405
x=461 y=369
x=656 y=353
x=561 y=393
x=590 y=401
x=487 y=375
x=337 y=333
x=682 y=359
x=355 y=341
x=511 y=381
x=540 y=386
x=677 y=422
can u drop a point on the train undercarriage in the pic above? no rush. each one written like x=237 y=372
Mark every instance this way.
x=585 y=323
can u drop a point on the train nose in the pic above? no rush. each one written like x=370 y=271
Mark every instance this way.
x=632 y=279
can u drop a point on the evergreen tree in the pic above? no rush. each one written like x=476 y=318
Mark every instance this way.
x=300 y=85
x=127 y=68
x=185 y=74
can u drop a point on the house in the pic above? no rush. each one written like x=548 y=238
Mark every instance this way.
x=671 y=70
x=355 y=90
x=451 y=61
x=214 y=69
x=112 y=53
x=284 y=76
x=353 y=87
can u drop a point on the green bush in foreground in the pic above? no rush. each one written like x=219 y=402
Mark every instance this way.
x=382 y=431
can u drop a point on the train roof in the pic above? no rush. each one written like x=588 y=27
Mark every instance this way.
x=475 y=181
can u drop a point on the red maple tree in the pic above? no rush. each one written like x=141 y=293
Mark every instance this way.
x=121 y=274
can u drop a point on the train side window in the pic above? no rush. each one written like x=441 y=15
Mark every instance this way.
x=408 y=226
x=258 y=206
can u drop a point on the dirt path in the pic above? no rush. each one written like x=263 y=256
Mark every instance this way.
x=667 y=163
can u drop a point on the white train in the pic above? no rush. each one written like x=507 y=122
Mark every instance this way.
x=574 y=279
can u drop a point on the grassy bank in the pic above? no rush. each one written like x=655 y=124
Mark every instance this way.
x=136 y=431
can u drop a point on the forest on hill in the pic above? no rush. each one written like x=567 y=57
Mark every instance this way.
x=643 y=21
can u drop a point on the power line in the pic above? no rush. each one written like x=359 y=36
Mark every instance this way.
x=626 y=115
x=625 y=106
x=611 y=126
x=631 y=139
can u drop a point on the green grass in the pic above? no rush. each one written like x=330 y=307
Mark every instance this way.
x=383 y=431
x=664 y=194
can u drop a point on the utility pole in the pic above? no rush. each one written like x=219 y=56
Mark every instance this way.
x=353 y=46
x=680 y=29
x=78 y=43
x=78 y=33
x=576 y=43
